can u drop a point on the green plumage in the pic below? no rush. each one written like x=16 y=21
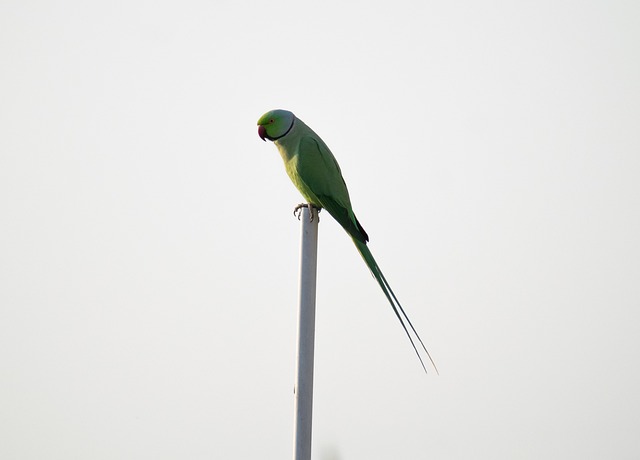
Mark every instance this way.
x=316 y=174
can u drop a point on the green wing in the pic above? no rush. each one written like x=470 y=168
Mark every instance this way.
x=318 y=170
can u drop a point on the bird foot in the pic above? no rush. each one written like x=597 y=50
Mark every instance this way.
x=313 y=211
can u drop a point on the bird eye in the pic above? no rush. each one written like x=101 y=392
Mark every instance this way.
x=271 y=121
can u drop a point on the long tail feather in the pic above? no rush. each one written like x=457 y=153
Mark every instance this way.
x=393 y=300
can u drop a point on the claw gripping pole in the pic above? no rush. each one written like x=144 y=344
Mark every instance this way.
x=303 y=390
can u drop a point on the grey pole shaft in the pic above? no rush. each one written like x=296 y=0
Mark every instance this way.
x=303 y=405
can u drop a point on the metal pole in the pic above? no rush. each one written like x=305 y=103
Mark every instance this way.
x=303 y=390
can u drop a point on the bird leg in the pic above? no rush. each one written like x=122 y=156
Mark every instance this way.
x=312 y=210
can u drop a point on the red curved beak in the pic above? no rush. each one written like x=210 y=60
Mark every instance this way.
x=262 y=132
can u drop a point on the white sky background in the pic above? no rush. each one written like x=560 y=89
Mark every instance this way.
x=149 y=257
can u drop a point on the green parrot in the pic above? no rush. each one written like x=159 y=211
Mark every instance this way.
x=316 y=174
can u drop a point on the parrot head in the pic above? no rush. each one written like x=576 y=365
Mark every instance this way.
x=275 y=124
